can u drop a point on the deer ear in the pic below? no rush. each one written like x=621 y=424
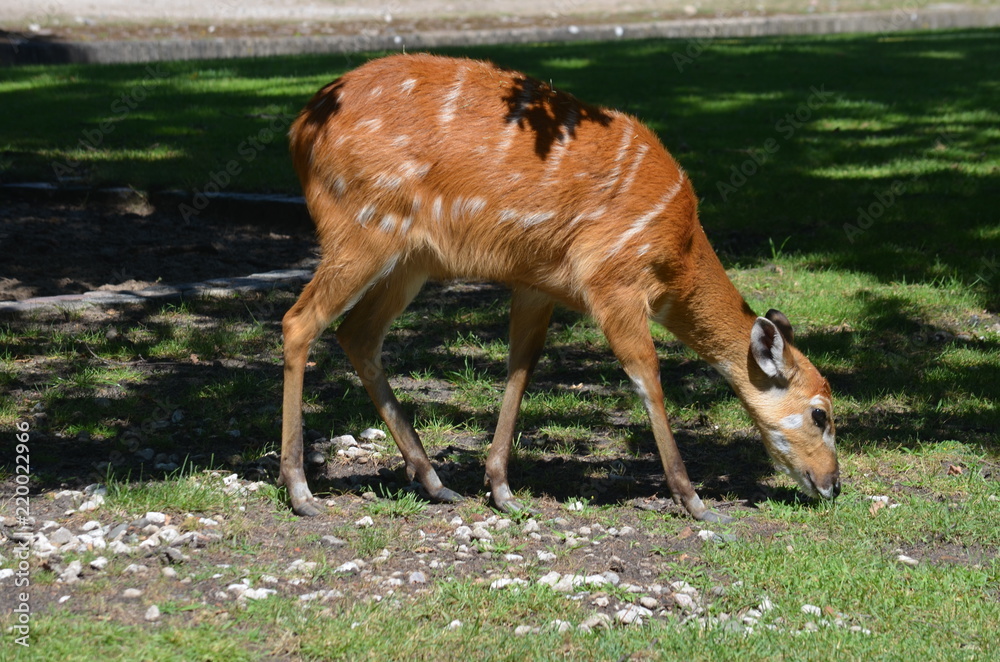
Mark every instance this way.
x=782 y=323
x=768 y=347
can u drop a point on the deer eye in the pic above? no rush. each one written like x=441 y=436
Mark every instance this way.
x=819 y=418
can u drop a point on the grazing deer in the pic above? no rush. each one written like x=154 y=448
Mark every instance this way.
x=417 y=166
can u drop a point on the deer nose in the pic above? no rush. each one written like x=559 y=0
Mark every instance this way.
x=828 y=488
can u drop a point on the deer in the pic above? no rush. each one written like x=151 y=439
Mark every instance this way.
x=418 y=167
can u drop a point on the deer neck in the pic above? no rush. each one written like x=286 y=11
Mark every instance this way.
x=706 y=312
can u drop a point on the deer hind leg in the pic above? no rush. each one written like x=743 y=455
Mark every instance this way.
x=361 y=335
x=627 y=330
x=331 y=292
x=530 y=312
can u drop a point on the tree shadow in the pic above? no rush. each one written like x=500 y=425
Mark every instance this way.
x=715 y=116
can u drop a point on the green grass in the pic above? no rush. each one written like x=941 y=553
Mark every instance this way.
x=900 y=315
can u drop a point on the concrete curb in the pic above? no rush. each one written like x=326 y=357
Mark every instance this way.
x=121 y=52
x=217 y=287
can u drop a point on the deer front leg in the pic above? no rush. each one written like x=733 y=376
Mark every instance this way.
x=301 y=326
x=628 y=334
x=530 y=312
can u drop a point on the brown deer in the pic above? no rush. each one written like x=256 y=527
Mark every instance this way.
x=418 y=166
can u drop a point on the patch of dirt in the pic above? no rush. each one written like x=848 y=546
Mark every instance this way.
x=53 y=248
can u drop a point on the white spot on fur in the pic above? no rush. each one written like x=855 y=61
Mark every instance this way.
x=401 y=140
x=404 y=227
x=780 y=444
x=388 y=223
x=374 y=124
x=639 y=224
x=828 y=439
x=463 y=207
x=389 y=182
x=408 y=85
x=339 y=186
x=415 y=169
x=451 y=98
x=437 y=208
x=366 y=214
x=626 y=141
x=535 y=218
x=791 y=422
x=376 y=91
x=507 y=139
x=633 y=169
x=819 y=401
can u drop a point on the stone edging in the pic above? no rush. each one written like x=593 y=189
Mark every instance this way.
x=120 y=52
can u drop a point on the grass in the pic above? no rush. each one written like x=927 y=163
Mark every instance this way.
x=869 y=220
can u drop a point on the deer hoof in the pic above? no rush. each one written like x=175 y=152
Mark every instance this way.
x=713 y=517
x=514 y=507
x=444 y=495
x=308 y=508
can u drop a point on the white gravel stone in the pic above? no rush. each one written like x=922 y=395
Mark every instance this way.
x=372 y=434
x=61 y=536
x=601 y=601
x=545 y=556
x=598 y=620
x=153 y=613
x=417 y=578
x=365 y=521
x=481 y=533
x=522 y=630
x=684 y=601
x=301 y=567
x=612 y=577
x=575 y=506
x=169 y=573
x=811 y=609
x=504 y=582
x=155 y=517
x=91 y=504
x=350 y=566
x=568 y=583
x=907 y=560
x=561 y=626
x=454 y=625
x=72 y=572
x=550 y=579
x=513 y=558
x=766 y=604
x=131 y=593
x=258 y=593
x=136 y=569
x=531 y=526
x=5 y=573
x=632 y=615
x=649 y=602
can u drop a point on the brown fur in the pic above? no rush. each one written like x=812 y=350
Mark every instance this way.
x=417 y=167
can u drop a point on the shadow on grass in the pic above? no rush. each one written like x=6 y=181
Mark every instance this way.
x=893 y=137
